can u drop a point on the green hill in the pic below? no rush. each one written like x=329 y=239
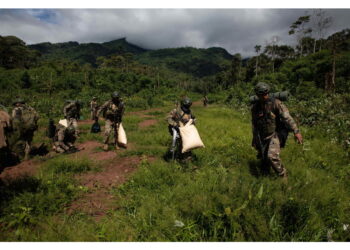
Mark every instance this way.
x=197 y=62
x=84 y=52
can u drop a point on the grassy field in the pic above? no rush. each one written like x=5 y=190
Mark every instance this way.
x=221 y=196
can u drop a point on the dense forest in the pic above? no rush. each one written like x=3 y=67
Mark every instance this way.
x=317 y=74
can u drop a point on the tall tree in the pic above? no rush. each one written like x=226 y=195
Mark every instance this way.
x=236 y=68
x=270 y=49
x=321 y=23
x=300 y=29
x=336 y=43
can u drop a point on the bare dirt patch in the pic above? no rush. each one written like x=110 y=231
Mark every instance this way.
x=84 y=122
x=98 y=200
x=25 y=168
x=147 y=123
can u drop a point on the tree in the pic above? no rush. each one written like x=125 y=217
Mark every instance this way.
x=321 y=22
x=300 y=29
x=257 y=50
x=26 y=81
x=270 y=49
x=336 y=43
x=235 y=68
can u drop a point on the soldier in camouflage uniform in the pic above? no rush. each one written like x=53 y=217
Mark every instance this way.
x=181 y=114
x=65 y=137
x=113 y=111
x=71 y=112
x=268 y=115
x=93 y=108
x=5 y=129
x=24 y=120
x=205 y=101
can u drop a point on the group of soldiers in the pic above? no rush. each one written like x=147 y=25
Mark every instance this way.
x=18 y=127
x=67 y=130
x=271 y=122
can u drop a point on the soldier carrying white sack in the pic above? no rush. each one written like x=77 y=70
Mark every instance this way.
x=180 y=116
x=65 y=136
x=113 y=111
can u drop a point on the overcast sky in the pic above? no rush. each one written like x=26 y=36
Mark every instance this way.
x=236 y=30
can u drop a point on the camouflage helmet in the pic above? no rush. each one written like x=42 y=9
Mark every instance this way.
x=115 y=95
x=186 y=102
x=262 y=88
x=18 y=100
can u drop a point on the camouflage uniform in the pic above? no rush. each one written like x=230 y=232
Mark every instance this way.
x=267 y=118
x=25 y=137
x=174 y=119
x=205 y=101
x=72 y=113
x=5 y=128
x=178 y=115
x=113 y=113
x=64 y=138
x=93 y=109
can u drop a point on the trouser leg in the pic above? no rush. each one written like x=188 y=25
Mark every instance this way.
x=273 y=156
x=107 y=132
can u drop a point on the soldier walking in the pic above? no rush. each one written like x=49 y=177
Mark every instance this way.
x=181 y=114
x=71 y=112
x=24 y=120
x=205 y=101
x=5 y=129
x=113 y=111
x=93 y=108
x=269 y=115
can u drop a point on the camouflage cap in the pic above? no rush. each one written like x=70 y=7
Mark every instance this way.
x=262 y=88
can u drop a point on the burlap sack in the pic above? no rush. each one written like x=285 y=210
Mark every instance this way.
x=122 y=140
x=190 y=137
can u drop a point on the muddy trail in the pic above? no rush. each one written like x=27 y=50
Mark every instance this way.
x=114 y=170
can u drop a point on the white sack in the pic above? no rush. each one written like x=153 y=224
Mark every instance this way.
x=190 y=137
x=122 y=141
x=63 y=122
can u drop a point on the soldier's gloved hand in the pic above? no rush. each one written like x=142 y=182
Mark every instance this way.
x=299 y=138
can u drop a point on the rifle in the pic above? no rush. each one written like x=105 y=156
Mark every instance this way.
x=173 y=144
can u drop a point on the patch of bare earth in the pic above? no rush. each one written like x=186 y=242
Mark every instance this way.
x=83 y=122
x=25 y=168
x=147 y=123
x=98 y=200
